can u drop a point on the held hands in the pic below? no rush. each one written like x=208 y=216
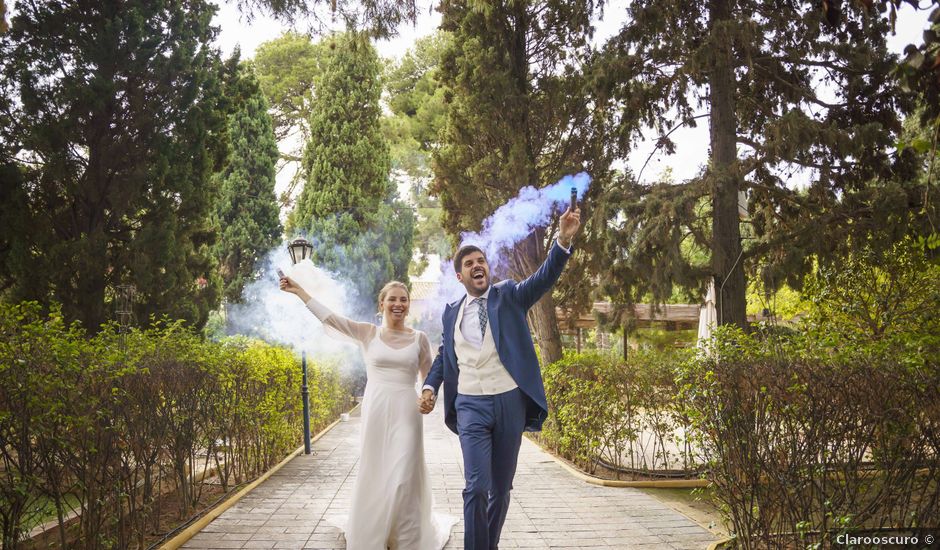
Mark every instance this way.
x=568 y=226
x=426 y=402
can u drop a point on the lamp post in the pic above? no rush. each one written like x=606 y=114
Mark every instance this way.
x=301 y=249
x=305 y=395
x=124 y=312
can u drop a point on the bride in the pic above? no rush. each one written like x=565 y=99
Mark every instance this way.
x=391 y=503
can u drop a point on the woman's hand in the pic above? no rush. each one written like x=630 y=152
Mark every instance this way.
x=288 y=285
x=426 y=401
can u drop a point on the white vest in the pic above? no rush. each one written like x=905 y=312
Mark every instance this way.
x=480 y=370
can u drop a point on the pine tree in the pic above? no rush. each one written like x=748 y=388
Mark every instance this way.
x=287 y=68
x=359 y=227
x=247 y=208
x=416 y=99
x=787 y=89
x=377 y=17
x=116 y=126
x=516 y=116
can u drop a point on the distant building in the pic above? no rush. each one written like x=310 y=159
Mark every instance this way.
x=423 y=294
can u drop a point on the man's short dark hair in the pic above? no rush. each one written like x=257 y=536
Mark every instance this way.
x=464 y=250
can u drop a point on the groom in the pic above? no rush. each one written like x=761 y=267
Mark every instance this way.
x=492 y=382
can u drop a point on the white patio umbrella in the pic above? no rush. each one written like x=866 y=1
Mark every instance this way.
x=707 y=317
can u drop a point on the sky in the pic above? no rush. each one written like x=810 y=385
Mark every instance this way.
x=691 y=143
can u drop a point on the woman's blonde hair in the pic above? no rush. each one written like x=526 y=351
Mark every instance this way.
x=389 y=286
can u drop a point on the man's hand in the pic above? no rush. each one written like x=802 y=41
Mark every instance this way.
x=568 y=226
x=426 y=402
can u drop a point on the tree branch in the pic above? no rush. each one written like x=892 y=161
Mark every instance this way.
x=660 y=141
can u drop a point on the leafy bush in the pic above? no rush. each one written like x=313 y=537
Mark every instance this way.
x=834 y=427
x=114 y=420
x=804 y=443
x=603 y=410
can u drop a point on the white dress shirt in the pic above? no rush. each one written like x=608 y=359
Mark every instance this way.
x=470 y=324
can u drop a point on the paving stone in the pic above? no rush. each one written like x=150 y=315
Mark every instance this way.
x=550 y=508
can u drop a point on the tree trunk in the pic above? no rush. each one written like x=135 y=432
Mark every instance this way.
x=727 y=265
x=527 y=256
x=530 y=253
x=90 y=284
x=92 y=239
x=545 y=326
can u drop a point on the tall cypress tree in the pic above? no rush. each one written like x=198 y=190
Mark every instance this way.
x=516 y=117
x=247 y=207
x=347 y=205
x=346 y=161
x=116 y=127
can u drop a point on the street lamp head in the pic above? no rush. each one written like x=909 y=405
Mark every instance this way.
x=299 y=249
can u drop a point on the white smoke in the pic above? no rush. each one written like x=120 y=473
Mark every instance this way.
x=273 y=315
x=510 y=224
x=276 y=316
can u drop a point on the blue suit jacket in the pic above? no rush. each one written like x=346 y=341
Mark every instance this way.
x=506 y=309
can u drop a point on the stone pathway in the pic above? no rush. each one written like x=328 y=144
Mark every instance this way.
x=549 y=509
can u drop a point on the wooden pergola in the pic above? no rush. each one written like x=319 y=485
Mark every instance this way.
x=669 y=316
x=676 y=316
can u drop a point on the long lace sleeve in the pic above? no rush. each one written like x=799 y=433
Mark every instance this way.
x=336 y=323
x=424 y=356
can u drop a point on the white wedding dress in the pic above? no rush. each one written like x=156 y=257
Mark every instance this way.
x=392 y=506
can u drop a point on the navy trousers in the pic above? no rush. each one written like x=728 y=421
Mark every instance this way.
x=490 y=428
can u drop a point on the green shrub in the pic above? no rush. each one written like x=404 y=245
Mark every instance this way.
x=111 y=421
x=805 y=442
x=622 y=414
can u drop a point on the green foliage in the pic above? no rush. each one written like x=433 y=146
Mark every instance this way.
x=34 y=353
x=112 y=122
x=429 y=234
x=755 y=73
x=416 y=99
x=832 y=427
x=656 y=257
x=662 y=339
x=360 y=228
x=884 y=299
x=129 y=412
x=346 y=161
x=246 y=208
x=377 y=18
x=920 y=68
x=507 y=103
x=808 y=437
x=513 y=78
x=287 y=68
x=624 y=414
x=784 y=303
x=368 y=256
